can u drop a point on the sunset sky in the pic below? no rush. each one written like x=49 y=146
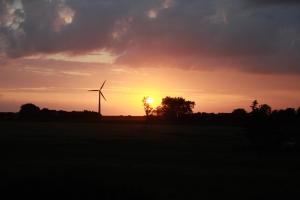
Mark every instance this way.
x=222 y=54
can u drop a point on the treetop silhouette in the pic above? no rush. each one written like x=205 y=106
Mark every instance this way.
x=147 y=107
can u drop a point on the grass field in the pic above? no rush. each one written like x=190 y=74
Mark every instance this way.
x=140 y=161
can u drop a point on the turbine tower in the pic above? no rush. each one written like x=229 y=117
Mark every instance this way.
x=100 y=94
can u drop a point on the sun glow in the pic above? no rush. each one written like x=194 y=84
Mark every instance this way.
x=150 y=100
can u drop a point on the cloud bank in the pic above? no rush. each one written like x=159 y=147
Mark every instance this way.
x=247 y=35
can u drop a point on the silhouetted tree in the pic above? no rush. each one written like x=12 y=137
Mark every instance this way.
x=158 y=111
x=147 y=107
x=270 y=130
x=239 y=115
x=291 y=112
x=260 y=111
x=254 y=105
x=176 y=107
x=239 y=112
x=29 y=111
x=265 y=109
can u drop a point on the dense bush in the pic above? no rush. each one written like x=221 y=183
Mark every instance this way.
x=29 y=111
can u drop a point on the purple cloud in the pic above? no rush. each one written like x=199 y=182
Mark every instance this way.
x=175 y=33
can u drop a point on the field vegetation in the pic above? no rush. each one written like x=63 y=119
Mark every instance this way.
x=46 y=160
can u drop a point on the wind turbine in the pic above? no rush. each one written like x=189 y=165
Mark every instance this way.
x=100 y=94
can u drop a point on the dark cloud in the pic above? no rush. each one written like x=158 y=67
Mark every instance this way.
x=269 y=2
x=189 y=34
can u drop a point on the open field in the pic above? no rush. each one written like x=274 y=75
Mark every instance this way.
x=139 y=161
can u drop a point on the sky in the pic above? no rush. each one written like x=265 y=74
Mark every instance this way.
x=222 y=54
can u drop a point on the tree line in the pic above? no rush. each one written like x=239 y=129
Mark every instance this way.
x=177 y=108
x=263 y=126
x=32 y=112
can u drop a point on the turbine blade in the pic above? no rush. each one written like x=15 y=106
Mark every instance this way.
x=102 y=85
x=103 y=96
x=93 y=90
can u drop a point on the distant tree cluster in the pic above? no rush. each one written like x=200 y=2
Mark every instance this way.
x=173 y=108
x=267 y=128
x=30 y=111
x=264 y=127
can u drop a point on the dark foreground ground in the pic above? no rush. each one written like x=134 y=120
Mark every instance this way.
x=138 y=161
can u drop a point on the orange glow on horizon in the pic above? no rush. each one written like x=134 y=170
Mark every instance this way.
x=66 y=89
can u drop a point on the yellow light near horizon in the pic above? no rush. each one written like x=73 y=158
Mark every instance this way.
x=150 y=100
